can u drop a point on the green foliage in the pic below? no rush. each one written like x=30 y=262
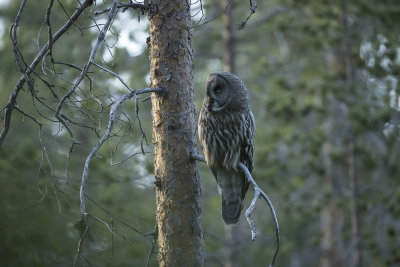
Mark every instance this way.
x=308 y=108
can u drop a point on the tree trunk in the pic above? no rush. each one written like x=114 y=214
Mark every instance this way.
x=355 y=235
x=352 y=164
x=233 y=240
x=331 y=219
x=228 y=38
x=180 y=238
x=228 y=62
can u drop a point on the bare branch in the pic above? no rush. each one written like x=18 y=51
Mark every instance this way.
x=112 y=244
x=143 y=136
x=111 y=215
x=112 y=118
x=44 y=155
x=252 y=11
x=84 y=228
x=257 y=194
x=213 y=18
x=113 y=73
x=153 y=244
x=143 y=7
x=279 y=10
x=128 y=158
x=50 y=42
x=13 y=36
x=85 y=69
x=13 y=98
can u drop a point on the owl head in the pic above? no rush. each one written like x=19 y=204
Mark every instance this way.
x=225 y=91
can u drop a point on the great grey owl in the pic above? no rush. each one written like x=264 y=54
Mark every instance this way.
x=226 y=133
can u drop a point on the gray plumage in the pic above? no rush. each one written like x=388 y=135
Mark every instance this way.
x=226 y=133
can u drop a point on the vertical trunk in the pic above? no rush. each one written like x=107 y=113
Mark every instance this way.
x=232 y=256
x=228 y=37
x=228 y=62
x=352 y=167
x=355 y=237
x=180 y=238
x=331 y=218
x=332 y=224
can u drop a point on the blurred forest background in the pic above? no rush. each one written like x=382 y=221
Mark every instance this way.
x=324 y=83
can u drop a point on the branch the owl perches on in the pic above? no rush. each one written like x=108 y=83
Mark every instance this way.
x=257 y=194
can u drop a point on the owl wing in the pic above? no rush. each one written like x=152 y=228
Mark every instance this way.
x=248 y=134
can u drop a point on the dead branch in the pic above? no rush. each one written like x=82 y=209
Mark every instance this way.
x=100 y=38
x=113 y=73
x=112 y=118
x=219 y=14
x=143 y=7
x=257 y=194
x=85 y=175
x=50 y=42
x=112 y=216
x=153 y=245
x=13 y=98
x=252 y=11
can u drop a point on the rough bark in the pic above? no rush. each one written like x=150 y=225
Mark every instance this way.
x=180 y=238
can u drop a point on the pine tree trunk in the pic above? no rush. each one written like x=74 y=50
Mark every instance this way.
x=355 y=233
x=229 y=54
x=180 y=238
x=332 y=218
x=228 y=62
x=352 y=167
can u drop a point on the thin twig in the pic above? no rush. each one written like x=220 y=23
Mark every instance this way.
x=112 y=244
x=257 y=194
x=50 y=42
x=13 y=98
x=128 y=158
x=84 y=223
x=143 y=136
x=111 y=215
x=112 y=118
x=113 y=73
x=198 y=25
x=153 y=244
x=252 y=11
x=85 y=69
x=144 y=8
x=13 y=36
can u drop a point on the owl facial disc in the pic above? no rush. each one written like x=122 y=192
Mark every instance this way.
x=218 y=92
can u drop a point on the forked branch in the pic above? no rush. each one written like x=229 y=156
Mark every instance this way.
x=257 y=194
x=26 y=72
x=85 y=175
x=112 y=117
x=253 y=8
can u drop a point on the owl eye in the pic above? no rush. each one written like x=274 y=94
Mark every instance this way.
x=218 y=90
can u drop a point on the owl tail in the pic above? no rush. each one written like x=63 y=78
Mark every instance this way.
x=231 y=211
x=233 y=190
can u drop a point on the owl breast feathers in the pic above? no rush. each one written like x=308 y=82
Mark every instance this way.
x=226 y=133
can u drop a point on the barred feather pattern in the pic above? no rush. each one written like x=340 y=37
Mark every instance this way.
x=227 y=138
